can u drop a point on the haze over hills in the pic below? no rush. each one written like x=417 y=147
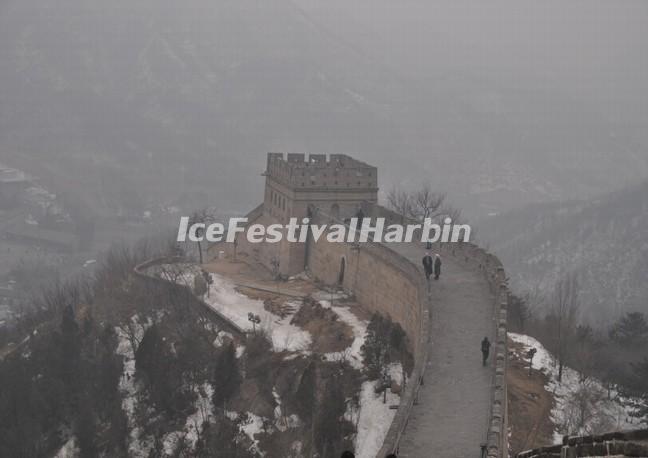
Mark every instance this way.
x=604 y=241
x=118 y=117
x=125 y=92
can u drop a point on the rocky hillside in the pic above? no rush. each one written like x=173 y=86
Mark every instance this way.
x=604 y=240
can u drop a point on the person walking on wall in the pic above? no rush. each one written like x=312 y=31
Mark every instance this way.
x=428 y=266
x=485 y=349
x=437 y=266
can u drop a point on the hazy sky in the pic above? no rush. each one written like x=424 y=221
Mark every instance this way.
x=500 y=103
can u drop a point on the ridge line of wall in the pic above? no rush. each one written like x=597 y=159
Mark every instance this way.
x=468 y=253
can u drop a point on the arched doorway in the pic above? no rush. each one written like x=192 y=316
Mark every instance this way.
x=342 y=269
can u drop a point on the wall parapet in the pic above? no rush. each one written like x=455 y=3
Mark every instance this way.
x=468 y=253
x=418 y=334
x=473 y=256
x=392 y=440
x=140 y=272
x=622 y=444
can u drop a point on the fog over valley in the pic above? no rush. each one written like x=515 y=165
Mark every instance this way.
x=184 y=266
x=499 y=105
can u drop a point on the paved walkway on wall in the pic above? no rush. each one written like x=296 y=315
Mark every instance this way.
x=453 y=410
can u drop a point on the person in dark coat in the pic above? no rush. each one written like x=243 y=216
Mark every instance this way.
x=485 y=348
x=437 y=266
x=428 y=266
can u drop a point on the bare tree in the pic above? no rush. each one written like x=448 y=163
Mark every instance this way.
x=133 y=329
x=205 y=217
x=565 y=310
x=399 y=201
x=427 y=204
x=421 y=204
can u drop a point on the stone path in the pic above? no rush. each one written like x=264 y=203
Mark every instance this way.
x=451 y=418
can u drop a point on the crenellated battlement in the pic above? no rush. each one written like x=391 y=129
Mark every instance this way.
x=314 y=171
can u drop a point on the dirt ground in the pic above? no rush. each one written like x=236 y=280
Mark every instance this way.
x=245 y=273
x=529 y=404
x=329 y=334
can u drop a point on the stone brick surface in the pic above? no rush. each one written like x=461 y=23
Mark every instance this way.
x=453 y=413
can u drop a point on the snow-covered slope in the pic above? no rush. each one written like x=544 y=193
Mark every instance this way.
x=605 y=241
x=582 y=406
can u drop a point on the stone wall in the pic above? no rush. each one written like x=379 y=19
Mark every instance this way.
x=619 y=444
x=381 y=280
x=491 y=267
x=327 y=172
x=185 y=294
x=475 y=257
x=386 y=282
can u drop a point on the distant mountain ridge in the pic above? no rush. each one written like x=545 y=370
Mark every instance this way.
x=118 y=94
x=604 y=240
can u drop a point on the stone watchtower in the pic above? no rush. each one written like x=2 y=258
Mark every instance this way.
x=336 y=184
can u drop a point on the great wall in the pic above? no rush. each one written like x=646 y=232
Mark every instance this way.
x=386 y=278
x=450 y=406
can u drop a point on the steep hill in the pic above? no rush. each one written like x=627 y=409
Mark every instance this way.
x=604 y=240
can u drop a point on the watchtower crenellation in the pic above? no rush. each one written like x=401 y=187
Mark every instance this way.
x=336 y=184
x=334 y=171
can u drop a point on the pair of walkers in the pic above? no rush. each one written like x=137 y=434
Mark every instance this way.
x=432 y=266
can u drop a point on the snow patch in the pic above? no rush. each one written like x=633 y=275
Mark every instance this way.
x=353 y=354
x=137 y=446
x=573 y=393
x=374 y=420
x=194 y=422
x=253 y=426
x=69 y=449
x=235 y=306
